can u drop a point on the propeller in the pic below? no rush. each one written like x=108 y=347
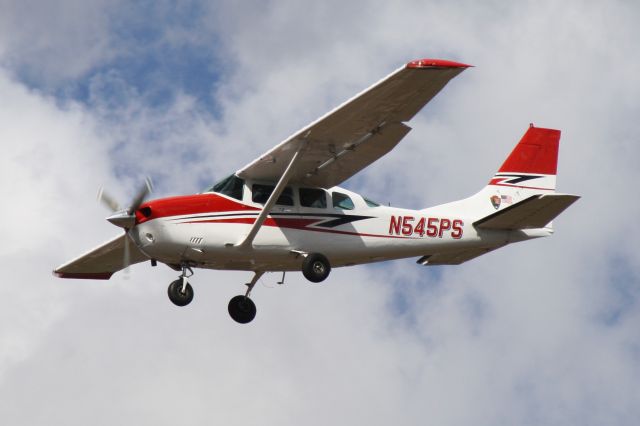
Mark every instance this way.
x=125 y=217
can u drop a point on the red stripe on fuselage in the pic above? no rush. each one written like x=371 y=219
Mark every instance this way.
x=189 y=204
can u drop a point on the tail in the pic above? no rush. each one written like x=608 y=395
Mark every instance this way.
x=519 y=202
x=522 y=194
x=533 y=163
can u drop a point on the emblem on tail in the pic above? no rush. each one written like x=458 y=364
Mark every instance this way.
x=495 y=201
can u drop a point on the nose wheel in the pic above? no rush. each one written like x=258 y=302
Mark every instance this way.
x=178 y=295
x=180 y=291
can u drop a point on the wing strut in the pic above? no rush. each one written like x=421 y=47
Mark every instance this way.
x=248 y=240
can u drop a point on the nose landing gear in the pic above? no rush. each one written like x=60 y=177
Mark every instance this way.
x=180 y=291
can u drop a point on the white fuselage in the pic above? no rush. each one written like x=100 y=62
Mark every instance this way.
x=203 y=230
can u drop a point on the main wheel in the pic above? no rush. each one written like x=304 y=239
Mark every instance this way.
x=177 y=296
x=242 y=309
x=316 y=267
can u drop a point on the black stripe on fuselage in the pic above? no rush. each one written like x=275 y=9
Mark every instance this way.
x=338 y=219
x=514 y=178
x=342 y=220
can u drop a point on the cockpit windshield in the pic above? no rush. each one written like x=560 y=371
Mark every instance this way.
x=230 y=186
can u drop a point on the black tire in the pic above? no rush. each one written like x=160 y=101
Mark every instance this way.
x=316 y=267
x=242 y=309
x=177 y=296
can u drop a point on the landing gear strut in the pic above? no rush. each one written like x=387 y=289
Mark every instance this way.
x=180 y=291
x=241 y=308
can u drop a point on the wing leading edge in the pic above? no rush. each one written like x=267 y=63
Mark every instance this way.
x=358 y=132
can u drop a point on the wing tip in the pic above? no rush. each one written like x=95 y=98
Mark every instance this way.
x=83 y=275
x=436 y=63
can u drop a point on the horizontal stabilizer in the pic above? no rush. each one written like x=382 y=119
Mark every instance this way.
x=454 y=257
x=103 y=261
x=534 y=212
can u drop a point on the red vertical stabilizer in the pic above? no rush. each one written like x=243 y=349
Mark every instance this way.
x=537 y=152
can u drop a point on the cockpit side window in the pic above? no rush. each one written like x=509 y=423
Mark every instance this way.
x=342 y=201
x=261 y=193
x=313 y=197
x=231 y=186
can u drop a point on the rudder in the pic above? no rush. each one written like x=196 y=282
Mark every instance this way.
x=533 y=162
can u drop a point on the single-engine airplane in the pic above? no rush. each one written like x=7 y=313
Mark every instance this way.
x=285 y=212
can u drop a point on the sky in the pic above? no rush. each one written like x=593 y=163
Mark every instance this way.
x=103 y=93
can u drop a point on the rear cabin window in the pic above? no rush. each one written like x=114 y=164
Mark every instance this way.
x=230 y=186
x=313 y=197
x=261 y=193
x=342 y=201
x=370 y=203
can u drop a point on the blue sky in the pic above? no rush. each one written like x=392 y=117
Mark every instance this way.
x=152 y=66
x=106 y=92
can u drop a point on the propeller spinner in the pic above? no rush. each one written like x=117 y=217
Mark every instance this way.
x=125 y=217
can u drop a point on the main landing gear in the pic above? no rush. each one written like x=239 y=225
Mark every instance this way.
x=241 y=308
x=315 y=268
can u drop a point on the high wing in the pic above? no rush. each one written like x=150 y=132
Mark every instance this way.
x=103 y=261
x=358 y=132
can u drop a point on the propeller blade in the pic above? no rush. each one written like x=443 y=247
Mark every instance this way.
x=140 y=196
x=108 y=200
x=126 y=261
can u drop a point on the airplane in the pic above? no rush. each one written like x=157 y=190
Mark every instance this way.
x=284 y=211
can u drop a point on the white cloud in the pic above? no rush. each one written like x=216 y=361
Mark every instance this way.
x=51 y=166
x=52 y=42
x=542 y=333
